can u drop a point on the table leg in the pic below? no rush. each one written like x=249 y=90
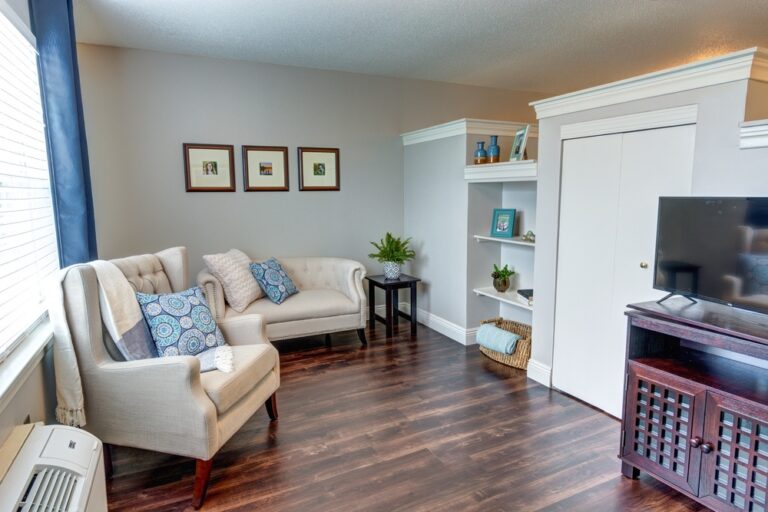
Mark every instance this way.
x=388 y=301
x=371 y=306
x=413 y=309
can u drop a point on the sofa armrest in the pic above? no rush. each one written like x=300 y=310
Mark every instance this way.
x=141 y=403
x=733 y=285
x=214 y=293
x=339 y=274
x=248 y=329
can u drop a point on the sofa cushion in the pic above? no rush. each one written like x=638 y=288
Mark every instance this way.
x=302 y=306
x=233 y=272
x=180 y=323
x=273 y=280
x=252 y=364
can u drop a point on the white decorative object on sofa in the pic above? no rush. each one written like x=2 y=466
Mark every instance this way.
x=331 y=298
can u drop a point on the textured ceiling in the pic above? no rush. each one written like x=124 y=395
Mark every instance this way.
x=550 y=46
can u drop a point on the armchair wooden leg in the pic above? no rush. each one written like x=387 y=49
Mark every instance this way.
x=202 y=477
x=271 y=404
x=328 y=340
x=108 y=470
x=361 y=335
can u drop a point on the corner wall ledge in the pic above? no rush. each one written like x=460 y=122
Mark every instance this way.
x=753 y=134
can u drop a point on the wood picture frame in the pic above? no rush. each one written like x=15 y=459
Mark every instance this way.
x=266 y=169
x=319 y=169
x=209 y=167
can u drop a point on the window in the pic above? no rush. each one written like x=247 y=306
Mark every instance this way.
x=28 y=249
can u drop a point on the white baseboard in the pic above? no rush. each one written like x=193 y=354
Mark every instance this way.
x=439 y=324
x=540 y=372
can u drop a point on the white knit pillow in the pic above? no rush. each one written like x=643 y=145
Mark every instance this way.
x=233 y=272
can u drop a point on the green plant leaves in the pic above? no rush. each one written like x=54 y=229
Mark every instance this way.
x=393 y=249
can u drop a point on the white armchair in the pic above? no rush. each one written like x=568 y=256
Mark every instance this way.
x=331 y=298
x=165 y=404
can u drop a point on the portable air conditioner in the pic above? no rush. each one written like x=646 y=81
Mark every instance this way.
x=52 y=469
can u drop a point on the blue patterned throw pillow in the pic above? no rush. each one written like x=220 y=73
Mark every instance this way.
x=755 y=273
x=181 y=323
x=273 y=280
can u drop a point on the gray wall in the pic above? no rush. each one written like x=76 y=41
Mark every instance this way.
x=140 y=106
x=21 y=8
x=720 y=168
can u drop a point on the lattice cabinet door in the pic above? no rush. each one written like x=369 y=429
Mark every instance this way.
x=663 y=418
x=734 y=473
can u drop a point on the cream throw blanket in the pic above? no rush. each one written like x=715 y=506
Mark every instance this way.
x=124 y=321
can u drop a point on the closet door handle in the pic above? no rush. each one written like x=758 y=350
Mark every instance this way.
x=695 y=442
x=643 y=264
x=707 y=447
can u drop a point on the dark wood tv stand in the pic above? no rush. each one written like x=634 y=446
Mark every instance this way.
x=696 y=401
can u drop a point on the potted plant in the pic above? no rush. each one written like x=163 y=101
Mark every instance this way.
x=501 y=277
x=393 y=252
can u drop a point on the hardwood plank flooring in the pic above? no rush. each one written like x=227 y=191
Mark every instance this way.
x=417 y=425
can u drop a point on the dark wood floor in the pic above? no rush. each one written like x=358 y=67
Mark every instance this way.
x=416 y=425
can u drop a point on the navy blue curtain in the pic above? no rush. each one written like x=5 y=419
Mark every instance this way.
x=53 y=26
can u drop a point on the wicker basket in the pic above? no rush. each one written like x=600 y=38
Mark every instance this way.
x=519 y=358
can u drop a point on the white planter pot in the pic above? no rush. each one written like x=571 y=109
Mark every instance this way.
x=391 y=270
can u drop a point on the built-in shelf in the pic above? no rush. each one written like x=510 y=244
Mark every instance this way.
x=523 y=170
x=514 y=240
x=507 y=297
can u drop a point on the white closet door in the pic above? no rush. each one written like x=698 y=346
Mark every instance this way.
x=602 y=246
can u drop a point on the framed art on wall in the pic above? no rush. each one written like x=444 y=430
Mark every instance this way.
x=503 y=224
x=209 y=167
x=265 y=168
x=319 y=169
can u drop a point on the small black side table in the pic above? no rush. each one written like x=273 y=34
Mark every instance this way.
x=390 y=287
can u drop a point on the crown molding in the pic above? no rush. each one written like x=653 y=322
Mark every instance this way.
x=753 y=134
x=664 y=118
x=464 y=127
x=746 y=64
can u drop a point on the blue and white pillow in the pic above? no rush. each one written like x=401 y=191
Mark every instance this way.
x=273 y=280
x=181 y=323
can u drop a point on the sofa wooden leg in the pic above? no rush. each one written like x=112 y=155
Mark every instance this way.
x=328 y=340
x=361 y=335
x=202 y=477
x=271 y=404
x=108 y=470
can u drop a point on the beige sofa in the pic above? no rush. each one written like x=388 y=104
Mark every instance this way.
x=165 y=404
x=331 y=298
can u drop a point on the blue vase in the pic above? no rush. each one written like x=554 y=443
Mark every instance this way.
x=493 y=150
x=481 y=156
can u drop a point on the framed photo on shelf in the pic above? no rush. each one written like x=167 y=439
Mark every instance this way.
x=518 y=145
x=265 y=168
x=503 y=224
x=319 y=169
x=209 y=167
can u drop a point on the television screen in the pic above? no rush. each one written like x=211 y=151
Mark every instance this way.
x=714 y=248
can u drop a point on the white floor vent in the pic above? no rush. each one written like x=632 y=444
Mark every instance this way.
x=49 y=489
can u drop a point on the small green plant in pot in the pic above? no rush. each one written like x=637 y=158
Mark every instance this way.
x=392 y=252
x=501 y=277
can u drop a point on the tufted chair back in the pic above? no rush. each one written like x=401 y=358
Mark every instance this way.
x=163 y=272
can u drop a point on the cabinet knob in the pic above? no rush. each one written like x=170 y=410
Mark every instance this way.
x=707 y=447
x=696 y=442
x=643 y=264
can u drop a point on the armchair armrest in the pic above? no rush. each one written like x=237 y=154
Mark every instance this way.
x=155 y=403
x=244 y=329
x=214 y=293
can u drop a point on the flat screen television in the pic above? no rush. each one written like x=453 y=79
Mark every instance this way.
x=715 y=249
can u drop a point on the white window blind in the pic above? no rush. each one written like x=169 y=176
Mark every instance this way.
x=28 y=248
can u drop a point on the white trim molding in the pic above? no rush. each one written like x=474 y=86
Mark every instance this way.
x=540 y=372
x=663 y=118
x=439 y=324
x=464 y=127
x=753 y=134
x=746 y=64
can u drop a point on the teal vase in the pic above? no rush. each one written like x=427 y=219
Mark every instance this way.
x=493 y=150
x=481 y=156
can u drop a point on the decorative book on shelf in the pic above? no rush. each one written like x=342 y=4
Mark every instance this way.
x=526 y=295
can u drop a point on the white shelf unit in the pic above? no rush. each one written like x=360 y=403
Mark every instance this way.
x=523 y=170
x=506 y=297
x=514 y=240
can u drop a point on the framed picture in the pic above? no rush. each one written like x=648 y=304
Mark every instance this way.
x=265 y=168
x=209 y=167
x=518 y=145
x=503 y=224
x=319 y=169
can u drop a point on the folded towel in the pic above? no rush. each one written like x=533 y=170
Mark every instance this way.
x=499 y=340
